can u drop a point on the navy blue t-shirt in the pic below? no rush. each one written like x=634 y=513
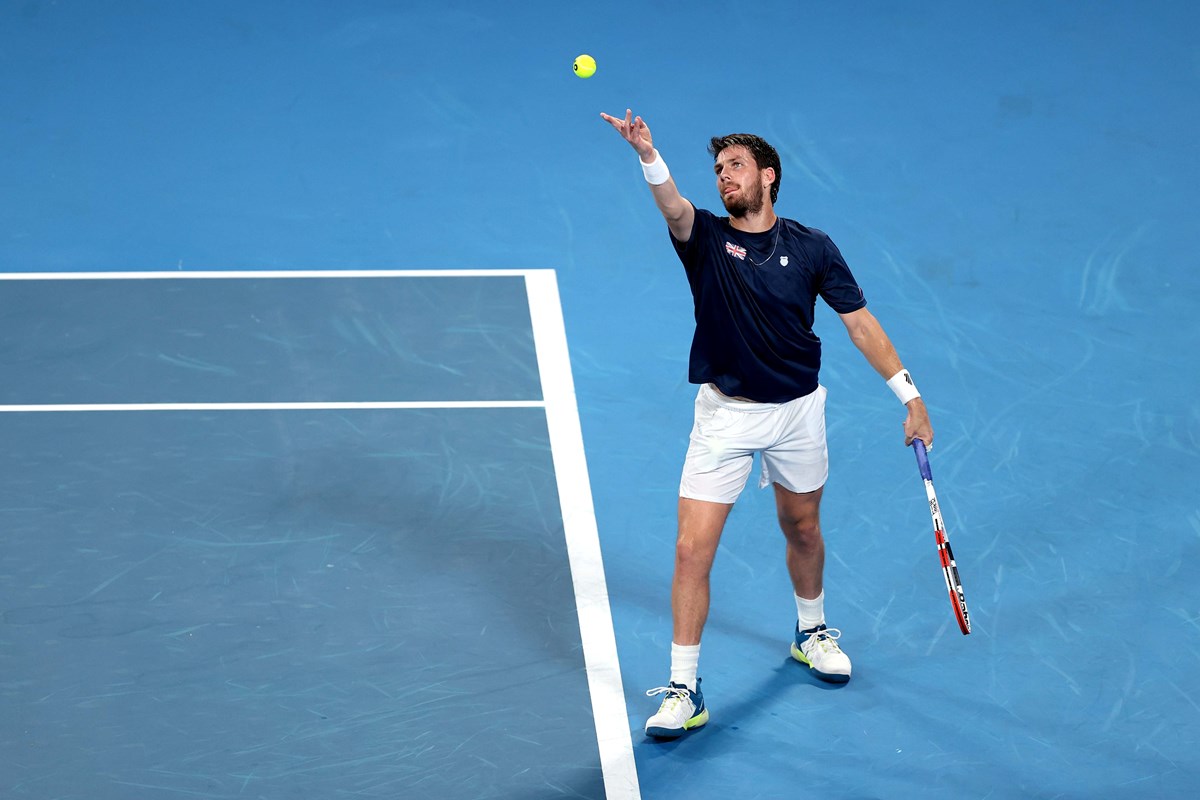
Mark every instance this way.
x=755 y=300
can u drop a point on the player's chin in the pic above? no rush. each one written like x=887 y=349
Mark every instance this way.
x=735 y=207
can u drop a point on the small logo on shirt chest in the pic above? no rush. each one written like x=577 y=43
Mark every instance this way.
x=783 y=261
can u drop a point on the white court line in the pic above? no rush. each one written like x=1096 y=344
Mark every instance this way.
x=583 y=539
x=48 y=407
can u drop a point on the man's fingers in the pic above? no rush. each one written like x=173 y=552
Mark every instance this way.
x=923 y=434
x=625 y=126
x=632 y=129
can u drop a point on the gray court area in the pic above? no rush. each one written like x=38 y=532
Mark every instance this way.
x=284 y=603
x=261 y=340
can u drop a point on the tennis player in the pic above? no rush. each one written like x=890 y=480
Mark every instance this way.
x=755 y=278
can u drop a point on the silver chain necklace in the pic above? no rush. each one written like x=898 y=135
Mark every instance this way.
x=768 y=258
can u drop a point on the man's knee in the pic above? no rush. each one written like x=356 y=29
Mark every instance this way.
x=802 y=526
x=799 y=515
x=802 y=532
x=700 y=526
x=694 y=555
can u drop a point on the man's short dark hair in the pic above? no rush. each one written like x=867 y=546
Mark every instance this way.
x=764 y=155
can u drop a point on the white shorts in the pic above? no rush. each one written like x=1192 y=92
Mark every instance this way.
x=727 y=433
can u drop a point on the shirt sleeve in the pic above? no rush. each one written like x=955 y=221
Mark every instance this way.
x=687 y=250
x=839 y=289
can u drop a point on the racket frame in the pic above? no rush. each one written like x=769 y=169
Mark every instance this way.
x=958 y=600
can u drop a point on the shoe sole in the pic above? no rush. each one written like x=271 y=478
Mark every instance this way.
x=694 y=724
x=828 y=677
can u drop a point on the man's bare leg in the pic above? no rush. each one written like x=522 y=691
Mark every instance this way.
x=700 y=526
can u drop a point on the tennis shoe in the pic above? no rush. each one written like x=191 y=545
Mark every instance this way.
x=682 y=710
x=818 y=648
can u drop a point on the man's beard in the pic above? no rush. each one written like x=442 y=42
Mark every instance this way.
x=745 y=205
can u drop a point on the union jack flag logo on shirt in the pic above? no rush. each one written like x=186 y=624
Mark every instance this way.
x=735 y=251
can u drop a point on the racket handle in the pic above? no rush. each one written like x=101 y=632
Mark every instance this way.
x=922 y=459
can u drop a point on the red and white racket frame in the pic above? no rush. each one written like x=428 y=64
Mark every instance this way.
x=958 y=600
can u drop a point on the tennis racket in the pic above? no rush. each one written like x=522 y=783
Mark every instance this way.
x=958 y=601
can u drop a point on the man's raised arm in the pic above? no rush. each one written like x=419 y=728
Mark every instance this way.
x=675 y=208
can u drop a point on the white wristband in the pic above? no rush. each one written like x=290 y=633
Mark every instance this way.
x=903 y=387
x=656 y=171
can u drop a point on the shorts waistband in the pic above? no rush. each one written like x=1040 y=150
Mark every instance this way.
x=735 y=403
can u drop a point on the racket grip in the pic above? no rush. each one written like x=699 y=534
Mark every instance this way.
x=922 y=459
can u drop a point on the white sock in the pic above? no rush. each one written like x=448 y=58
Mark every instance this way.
x=810 y=613
x=685 y=660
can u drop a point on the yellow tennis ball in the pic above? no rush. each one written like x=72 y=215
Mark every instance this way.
x=585 y=66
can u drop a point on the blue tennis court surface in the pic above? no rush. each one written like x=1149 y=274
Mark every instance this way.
x=344 y=400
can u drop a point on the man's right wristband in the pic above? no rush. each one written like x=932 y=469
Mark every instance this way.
x=656 y=171
x=903 y=387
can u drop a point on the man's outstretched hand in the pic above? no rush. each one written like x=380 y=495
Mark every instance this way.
x=635 y=131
